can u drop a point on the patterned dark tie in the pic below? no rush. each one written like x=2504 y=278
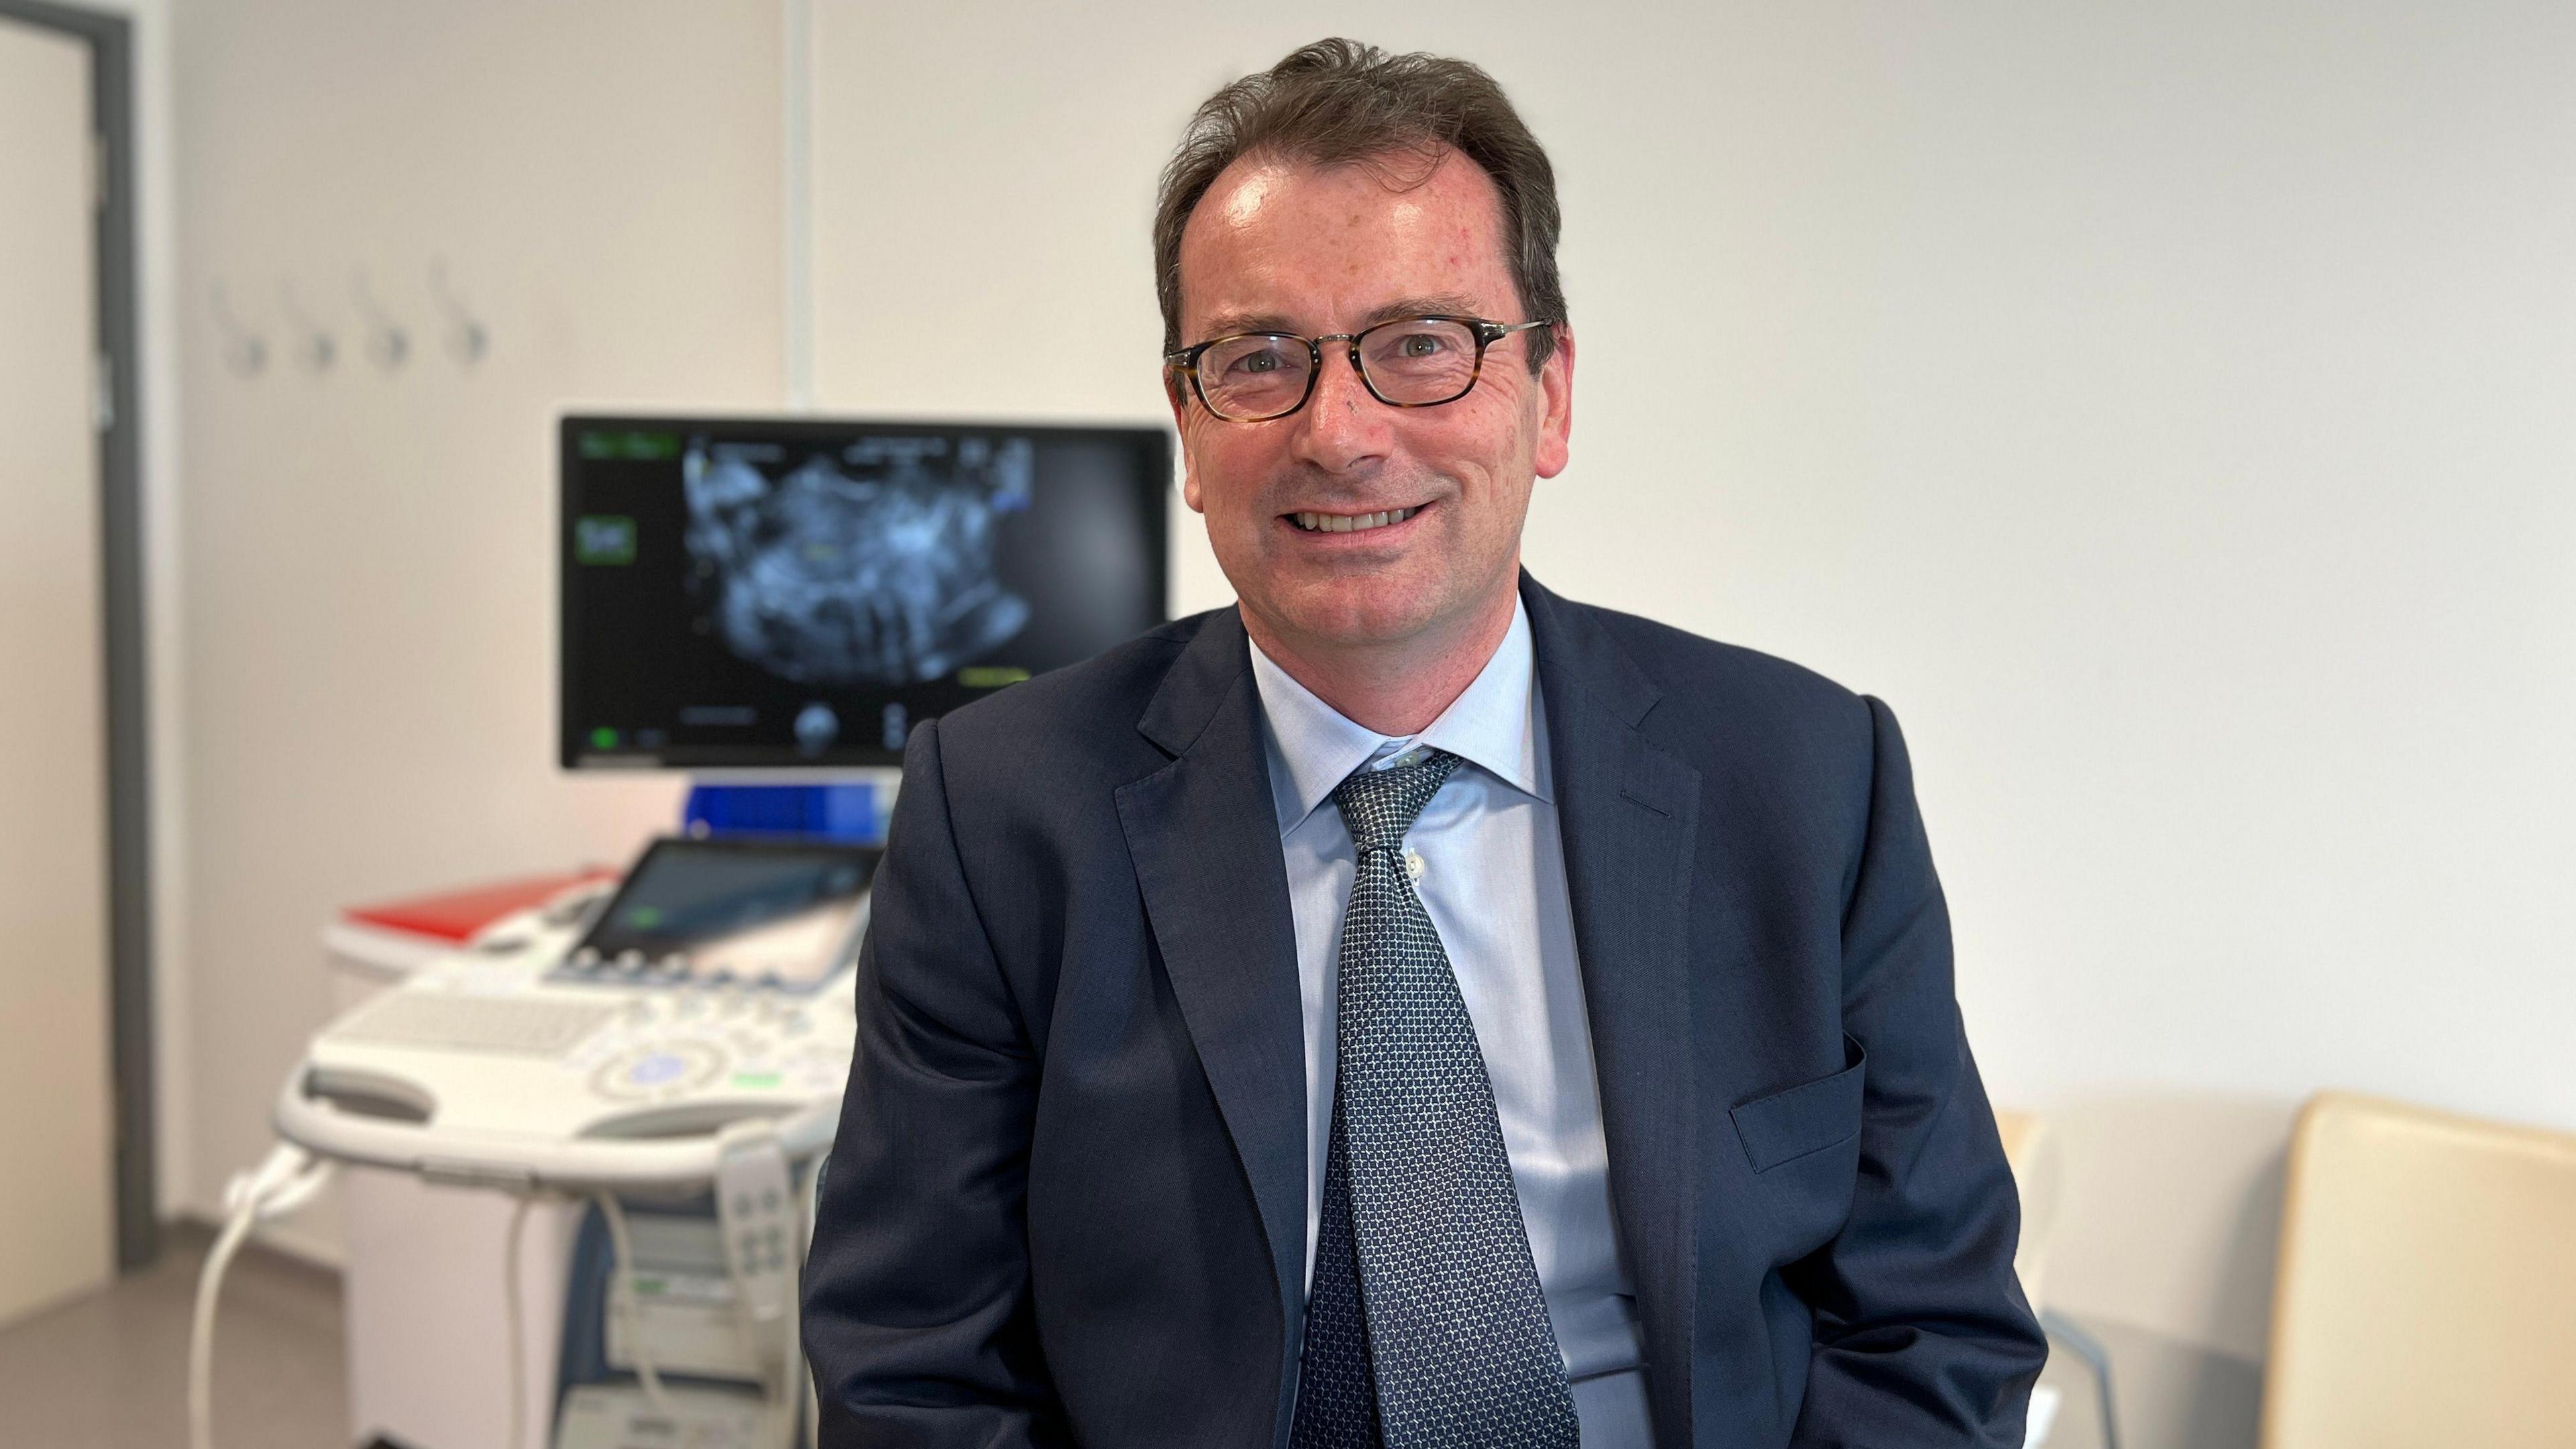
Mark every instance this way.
x=1425 y=1327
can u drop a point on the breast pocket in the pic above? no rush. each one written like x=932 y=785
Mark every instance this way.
x=1806 y=1119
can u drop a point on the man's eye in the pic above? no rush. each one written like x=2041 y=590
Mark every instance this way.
x=1258 y=362
x=1420 y=344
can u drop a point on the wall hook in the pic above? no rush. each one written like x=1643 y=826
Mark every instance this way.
x=315 y=348
x=467 y=339
x=388 y=344
x=244 y=351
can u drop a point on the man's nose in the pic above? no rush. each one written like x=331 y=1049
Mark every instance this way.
x=1342 y=425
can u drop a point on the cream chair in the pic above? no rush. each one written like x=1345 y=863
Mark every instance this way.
x=2427 y=1288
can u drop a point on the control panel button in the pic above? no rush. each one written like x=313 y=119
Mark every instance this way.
x=656 y=1068
x=658 y=1071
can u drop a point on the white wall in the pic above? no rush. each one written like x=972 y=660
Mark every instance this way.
x=368 y=557
x=2164 y=408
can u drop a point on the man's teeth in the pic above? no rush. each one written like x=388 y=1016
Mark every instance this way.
x=1350 y=523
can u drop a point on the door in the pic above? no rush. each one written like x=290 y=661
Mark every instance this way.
x=57 y=1196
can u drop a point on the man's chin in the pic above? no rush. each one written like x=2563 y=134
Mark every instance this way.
x=1354 y=613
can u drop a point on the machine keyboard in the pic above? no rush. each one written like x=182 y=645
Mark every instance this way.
x=506 y=1025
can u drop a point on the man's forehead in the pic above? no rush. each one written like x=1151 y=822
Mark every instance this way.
x=1402 y=225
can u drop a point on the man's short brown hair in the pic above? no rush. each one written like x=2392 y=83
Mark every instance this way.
x=1338 y=102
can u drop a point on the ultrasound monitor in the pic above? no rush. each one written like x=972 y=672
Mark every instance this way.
x=744 y=593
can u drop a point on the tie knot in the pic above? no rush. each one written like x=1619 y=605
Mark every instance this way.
x=1380 y=805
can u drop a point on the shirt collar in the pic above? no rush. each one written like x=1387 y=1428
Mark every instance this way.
x=1313 y=747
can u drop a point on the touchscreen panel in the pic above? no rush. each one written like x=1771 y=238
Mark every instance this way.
x=780 y=913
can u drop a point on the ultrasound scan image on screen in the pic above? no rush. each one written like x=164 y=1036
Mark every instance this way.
x=783 y=593
x=873 y=567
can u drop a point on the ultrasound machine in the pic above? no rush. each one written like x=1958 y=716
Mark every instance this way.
x=771 y=605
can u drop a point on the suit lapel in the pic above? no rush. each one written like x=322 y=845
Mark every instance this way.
x=1629 y=816
x=1202 y=832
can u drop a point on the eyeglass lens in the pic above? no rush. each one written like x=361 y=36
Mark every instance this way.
x=1412 y=363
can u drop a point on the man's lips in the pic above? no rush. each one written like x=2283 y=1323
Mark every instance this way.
x=1317 y=521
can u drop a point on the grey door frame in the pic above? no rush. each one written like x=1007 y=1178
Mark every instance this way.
x=129 y=800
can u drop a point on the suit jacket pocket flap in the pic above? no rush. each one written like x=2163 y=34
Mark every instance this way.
x=1809 y=1118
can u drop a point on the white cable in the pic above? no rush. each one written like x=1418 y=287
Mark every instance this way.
x=201 y=1328
x=286 y=1180
x=621 y=1252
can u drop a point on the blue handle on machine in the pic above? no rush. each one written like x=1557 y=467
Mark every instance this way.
x=833 y=811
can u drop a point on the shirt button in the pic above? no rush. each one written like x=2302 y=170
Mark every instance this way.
x=1413 y=866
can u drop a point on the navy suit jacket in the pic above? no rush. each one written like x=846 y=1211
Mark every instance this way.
x=1068 y=1199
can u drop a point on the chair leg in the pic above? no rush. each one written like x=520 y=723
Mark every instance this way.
x=2089 y=1349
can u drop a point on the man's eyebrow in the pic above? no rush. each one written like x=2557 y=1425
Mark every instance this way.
x=1447 y=304
x=1227 y=324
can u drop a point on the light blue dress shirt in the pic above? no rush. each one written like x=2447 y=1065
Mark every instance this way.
x=1489 y=864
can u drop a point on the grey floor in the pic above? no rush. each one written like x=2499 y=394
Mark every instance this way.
x=110 y=1371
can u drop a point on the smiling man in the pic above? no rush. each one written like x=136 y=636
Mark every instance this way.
x=1406 y=1007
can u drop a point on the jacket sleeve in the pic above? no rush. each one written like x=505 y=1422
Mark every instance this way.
x=916 y=1293
x=1922 y=1334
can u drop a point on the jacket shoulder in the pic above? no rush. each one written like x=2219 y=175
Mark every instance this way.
x=1790 y=756
x=1061 y=719
x=1707 y=678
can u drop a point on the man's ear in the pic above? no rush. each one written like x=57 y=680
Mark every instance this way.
x=1177 y=393
x=1556 y=405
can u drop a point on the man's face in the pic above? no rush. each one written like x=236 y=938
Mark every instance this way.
x=1279 y=247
